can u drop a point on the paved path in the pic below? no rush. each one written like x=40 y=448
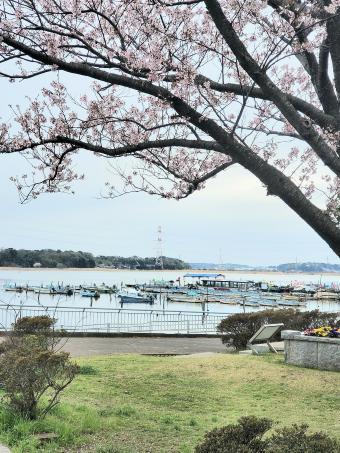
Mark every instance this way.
x=4 y=449
x=89 y=346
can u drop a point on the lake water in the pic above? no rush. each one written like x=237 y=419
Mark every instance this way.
x=120 y=277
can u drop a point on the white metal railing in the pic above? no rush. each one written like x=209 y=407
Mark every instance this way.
x=117 y=320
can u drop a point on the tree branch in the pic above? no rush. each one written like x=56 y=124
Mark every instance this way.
x=322 y=119
x=321 y=148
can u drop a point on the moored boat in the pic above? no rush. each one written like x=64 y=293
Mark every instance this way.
x=88 y=293
x=101 y=289
x=14 y=288
x=126 y=298
x=327 y=295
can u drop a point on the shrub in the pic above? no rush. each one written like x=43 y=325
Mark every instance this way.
x=237 y=329
x=296 y=440
x=37 y=325
x=87 y=370
x=31 y=369
x=247 y=437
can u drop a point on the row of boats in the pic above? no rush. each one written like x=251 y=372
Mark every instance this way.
x=199 y=297
x=216 y=288
x=246 y=293
x=206 y=290
x=66 y=290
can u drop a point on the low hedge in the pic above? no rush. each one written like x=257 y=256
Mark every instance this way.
x=237 y=329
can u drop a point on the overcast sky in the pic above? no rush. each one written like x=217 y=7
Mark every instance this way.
x=232 y=220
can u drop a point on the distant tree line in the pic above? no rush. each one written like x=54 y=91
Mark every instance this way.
x=136 y=262
x=308 y=267
x=45 y=258
x=68 y=258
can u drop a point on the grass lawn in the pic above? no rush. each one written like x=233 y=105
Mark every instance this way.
x=130 y=403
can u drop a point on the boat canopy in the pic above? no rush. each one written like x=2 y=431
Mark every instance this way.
x=204 y=276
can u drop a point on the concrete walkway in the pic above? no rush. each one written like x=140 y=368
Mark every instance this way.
x=4 y=449
x=89 y=346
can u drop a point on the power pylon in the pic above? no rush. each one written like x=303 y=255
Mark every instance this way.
x=159 y=249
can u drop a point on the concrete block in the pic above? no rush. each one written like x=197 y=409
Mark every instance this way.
x=329 y=356
x=261 y=348
x=313 y=352
x=289 y=333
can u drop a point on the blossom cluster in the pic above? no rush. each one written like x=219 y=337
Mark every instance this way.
x=176 y=47
x=326 y=331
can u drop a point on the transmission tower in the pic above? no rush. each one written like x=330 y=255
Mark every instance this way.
x=159 y=249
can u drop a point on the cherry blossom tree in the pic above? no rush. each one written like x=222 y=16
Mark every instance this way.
x=186 y=89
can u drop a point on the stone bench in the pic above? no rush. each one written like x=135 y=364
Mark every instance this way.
x=311 y=352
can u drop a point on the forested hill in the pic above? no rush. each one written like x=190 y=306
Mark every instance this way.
x=286 y=267
x=308 y=267
x=61 y=259
x=135 y=262
x=45 y=258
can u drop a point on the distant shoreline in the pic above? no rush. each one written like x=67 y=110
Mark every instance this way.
x=193 y=271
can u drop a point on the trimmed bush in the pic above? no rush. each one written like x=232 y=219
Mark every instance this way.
x=247 y=436
x=237 y=329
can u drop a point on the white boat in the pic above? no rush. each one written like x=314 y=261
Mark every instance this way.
x=42 y=291
x=16 y=289
x=328 y=295
x=186 y=299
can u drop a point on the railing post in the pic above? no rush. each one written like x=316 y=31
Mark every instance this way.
x=108 y=327
x=150 y=322
x=118 y=321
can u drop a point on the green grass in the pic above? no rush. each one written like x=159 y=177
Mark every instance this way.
x=137 y=404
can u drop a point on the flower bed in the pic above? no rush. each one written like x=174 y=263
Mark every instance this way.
x=325 y=332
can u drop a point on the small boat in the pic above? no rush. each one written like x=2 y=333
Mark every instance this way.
x=88 y=293
x=42 y=291
x=230 y=301
x=304 y=290
x=52 y=290
x=61 y=290
x=177 y=290
x=136 y=299
x=101 y=289
x=327 y=295
x=157 y=286
x=186 y=299
x=249 y=303
x=268 y=303
x=298 y=297
x=105 y=289
x=16 y=289
x=278 y=289
x=291 y=303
